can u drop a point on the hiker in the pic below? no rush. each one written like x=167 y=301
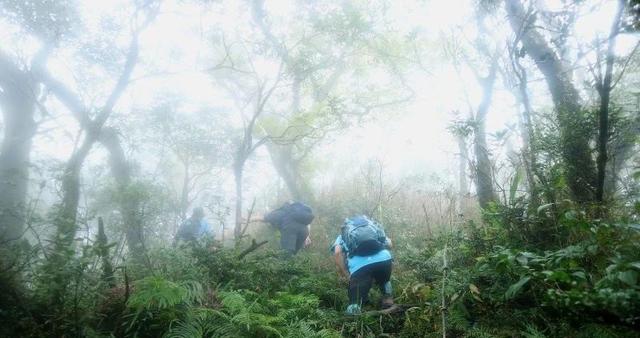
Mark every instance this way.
x=362 y=256
x=293 y=219
x=195 y=227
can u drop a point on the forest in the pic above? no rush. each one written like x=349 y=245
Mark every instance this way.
x=152 y=152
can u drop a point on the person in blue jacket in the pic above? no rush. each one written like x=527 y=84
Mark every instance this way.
x=195 y=227
x=362 y=257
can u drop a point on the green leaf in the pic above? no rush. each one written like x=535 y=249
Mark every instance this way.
x=629 y=277
x=543 y=207
x=522 y=260
x=579 y=274
x=570 y=215
x=560 y=276
x=515 y=288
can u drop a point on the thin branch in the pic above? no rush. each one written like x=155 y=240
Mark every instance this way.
x=626 y=63
x=252 y=248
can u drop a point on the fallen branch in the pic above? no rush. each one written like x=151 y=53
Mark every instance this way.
x=253 y=247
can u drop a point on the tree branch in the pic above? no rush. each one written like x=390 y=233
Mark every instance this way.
x=252 y=248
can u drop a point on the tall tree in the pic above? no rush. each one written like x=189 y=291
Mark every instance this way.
x=604 y=86
x=574 y=132
x=47 y=22
x=483 y=167
x=320 y=54
x=18 y=100
x=92 y=128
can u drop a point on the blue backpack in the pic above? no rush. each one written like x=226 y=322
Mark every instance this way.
x=362 y=236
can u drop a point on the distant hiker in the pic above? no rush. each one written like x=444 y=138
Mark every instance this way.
x=293 y=219
x=362 y=257
x=195 y=227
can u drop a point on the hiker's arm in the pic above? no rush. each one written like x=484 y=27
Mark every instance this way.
x=307 y=241
x=338 y=256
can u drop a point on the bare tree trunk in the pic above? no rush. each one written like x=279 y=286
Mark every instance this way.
x=18 y=104
x=66 y=217
x=288 y=169
x=484 y=177
x=525 y=124
x=184 y=195
x=65 y=223
x=619 y=150
x=574 y=132
x=102 y=245
x=129 y=201
x=463 y=163
x=18 y=97
x=604 y=87
x=237 y=173
x=67 y=214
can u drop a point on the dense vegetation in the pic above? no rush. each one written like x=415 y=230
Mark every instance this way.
x=105 y=151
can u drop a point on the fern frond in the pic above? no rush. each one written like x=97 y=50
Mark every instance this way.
x=155 y=292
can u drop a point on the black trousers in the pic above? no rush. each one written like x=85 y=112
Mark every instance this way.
x=292 y=238
x=361 y=281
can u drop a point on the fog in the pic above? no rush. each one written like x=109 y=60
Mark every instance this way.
x=501 y=133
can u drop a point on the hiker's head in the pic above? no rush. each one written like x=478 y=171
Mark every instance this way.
x=198 y=212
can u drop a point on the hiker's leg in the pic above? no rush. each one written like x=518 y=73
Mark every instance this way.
x=302 y=235
x=288 y=240
x=382 y=276
x=359 y=285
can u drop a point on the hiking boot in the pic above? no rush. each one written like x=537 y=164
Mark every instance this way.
x=387 y=301
x=353 y=310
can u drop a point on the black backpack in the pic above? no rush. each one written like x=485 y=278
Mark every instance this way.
x=300 y=213
x=363 y=236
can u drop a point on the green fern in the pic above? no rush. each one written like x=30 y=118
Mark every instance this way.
x=241 y=315
x=532 y=332
x=306 y=329
x=479 y=332
x=155 y=292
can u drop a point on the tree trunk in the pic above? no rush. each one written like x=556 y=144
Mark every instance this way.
x=604 y=87
x=619 y=151
x=288 y=169
x=574 y=131
x=184 y=194
x=129 y=201
x=102 y=246
x=68 y=211
x=65 y=224
x=18 y=101
x=525 y=123
x=237 y=173
x=484 y=177
x=463 y=184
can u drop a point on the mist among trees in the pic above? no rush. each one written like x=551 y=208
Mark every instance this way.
x=495 y=141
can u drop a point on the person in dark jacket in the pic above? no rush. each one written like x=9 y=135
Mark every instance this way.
x=293 y=220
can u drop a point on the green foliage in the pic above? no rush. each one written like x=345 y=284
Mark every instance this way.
x=158 y=293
